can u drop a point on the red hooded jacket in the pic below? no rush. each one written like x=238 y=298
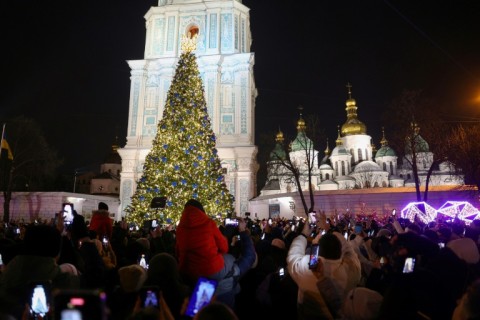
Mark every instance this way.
x=200 y=245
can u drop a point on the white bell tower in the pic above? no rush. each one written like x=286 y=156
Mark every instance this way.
x=226 y=67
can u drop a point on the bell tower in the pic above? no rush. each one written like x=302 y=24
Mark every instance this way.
x=226 y=67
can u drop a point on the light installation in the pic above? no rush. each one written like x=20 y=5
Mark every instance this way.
x=462 y=210
x=422 y=210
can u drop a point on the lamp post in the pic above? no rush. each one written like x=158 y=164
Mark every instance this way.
x=75 y=180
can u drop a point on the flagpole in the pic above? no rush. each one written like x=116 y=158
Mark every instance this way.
x=1 y=139
x=3 y=133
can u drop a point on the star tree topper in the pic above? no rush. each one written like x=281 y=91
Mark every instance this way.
x=189 y=43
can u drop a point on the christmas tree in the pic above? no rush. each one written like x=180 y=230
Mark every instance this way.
x=183 y=163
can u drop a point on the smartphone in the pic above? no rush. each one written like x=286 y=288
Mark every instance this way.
x=312 y=217
x=231 y=222
x=67 y=209
x=409 y=265
x=201 y=296
x=149 y=296
x=312 y=264
x=281 y=273
x=154 y=224
x=292 y=228
x=345 y=235
x=105 y=241
x=270 y=221
x=39 y=298
x=238 y=237
x=142 y=261
x=382 y=261
x=80 y=304
x=441 y=245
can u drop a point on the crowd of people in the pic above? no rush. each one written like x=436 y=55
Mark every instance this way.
x=339 y=266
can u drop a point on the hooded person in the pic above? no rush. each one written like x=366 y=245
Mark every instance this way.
x=101 y=222
x=200 y=245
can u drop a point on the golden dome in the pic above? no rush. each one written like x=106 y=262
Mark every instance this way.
x=352 y=125
x=279 y=136
x=339 y=141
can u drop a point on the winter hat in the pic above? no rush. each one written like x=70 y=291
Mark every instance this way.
x=194 y=203
x=465 y=249
x=102 y=206
x=330 y=247
x=132 y=277
x=278 y=243
x=69 y=268
x=362 y=304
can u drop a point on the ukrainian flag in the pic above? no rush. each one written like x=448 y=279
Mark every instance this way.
x=5 y=145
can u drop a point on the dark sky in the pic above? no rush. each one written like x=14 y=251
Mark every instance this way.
x=64 y=63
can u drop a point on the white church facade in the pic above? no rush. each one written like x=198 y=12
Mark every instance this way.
x=226 y=67
x=353 y=173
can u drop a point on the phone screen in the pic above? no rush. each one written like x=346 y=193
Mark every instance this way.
x=312 y=218
x=201 y=296
x=40 y=298
x=312 y=264
x=231 y=222
x=409 y=265
x=67 y=209
x=149 y=296
x=80 y=304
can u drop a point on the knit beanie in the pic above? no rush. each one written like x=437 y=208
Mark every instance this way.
x=194 y=203
x=132 y=277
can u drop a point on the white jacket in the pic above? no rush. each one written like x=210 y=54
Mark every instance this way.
x=344 y=272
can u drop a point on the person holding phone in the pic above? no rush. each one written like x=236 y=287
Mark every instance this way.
x=340 y=263
x=101 y=222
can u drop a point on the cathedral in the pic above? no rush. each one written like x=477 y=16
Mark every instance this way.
x=353 y=163
x=226 y=68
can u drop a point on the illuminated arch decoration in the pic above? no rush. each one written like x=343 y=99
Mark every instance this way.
x=460 y=209
x=422 y=210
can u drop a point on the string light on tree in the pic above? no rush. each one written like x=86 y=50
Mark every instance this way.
x=183 y=162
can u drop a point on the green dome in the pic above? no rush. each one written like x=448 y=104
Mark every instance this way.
x=278 y=153
x=301 y=142
x=385 y=151
x=420 y=145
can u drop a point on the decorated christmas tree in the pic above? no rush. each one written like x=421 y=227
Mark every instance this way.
x=183 y=163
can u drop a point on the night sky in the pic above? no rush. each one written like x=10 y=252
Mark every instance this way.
x=64 y=63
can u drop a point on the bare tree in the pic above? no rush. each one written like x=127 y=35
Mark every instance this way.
x=34 y=162
x=297 y=162
x=465 y=152
x=413 y=120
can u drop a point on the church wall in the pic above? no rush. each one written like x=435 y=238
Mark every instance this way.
x=43 y=205
x=379 y=200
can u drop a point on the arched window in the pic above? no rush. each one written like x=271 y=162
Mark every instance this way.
x=366 y=154
x=327 y=176
x=343 y=168
x=360 y=158
x=336 y=168
x=384 y=166
x=391 y=168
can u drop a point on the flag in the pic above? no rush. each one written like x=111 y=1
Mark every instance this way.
x=5 y=146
